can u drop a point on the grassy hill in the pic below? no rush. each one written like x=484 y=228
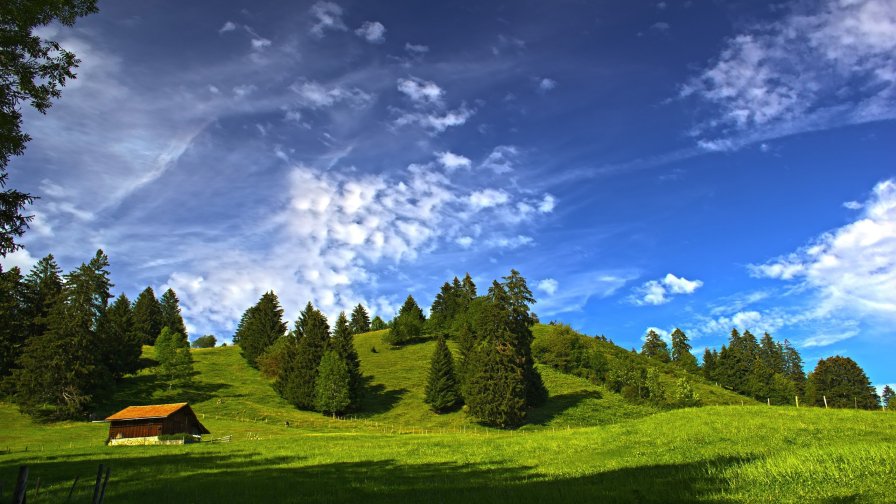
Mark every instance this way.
x=586 y=444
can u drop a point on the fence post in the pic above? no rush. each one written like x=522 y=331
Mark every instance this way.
x=96 y=486
x=797 y=401
x=18 y=496
x=825 y=401
x=72 y=489
x=105 y=482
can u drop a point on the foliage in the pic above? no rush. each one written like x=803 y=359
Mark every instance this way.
x=205 y=341
x=683 y=395
x=442 y=392
x=312 y=337
x=260 y=326
x=343 y=343
x=843 y=383
x=655 y=390
x=377 y=324
x=120 y=343
x=148 y=316
x=886 y=397
x=332 y=392
x=450 y=307
x=171 y=318
x=568 y=351
x=681 y=352
x=42 y=287
x=276 y=358
x=12 y=319
x=408 y=325
x=520 y=300
x=32 y=71
x=175 y=360
x=360 y=320
x=655 y=348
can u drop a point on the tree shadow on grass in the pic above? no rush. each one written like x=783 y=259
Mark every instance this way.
x=557 y=405
x=143 y=389
x=376 y=399
x=231 y=477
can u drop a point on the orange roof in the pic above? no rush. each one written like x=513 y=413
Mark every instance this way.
x=152 y=411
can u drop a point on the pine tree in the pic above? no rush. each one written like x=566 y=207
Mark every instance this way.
x=496 y=387
x=408 y=325
x=148 y=316
x=42 y=288
x=654 y=347
x=886 y=397
x=171 y=318
x=469 y=287
x=260 y=327
x=175 y=360
x=377 y=324
x=13 y=322
x=709 y=364
x=843 y=383
x=343 y=344
x=61 y=370
x=121 y=343
x=520 y=299
x=681 y=352
x=441 y=391
x=360 y=320
x=332 y=390
x=312 y=338
x=793 y=367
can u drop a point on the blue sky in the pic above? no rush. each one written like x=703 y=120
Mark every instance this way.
x=701 y=165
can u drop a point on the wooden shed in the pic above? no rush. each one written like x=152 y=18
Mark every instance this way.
x=144 y=424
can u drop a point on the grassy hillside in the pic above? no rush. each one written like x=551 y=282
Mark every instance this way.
x=584 y=445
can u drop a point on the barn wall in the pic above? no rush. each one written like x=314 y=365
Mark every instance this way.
x=135 y=428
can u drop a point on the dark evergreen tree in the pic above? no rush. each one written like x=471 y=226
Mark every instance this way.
x=442 y=392
x=377 y=324
x=206 y=341
x=681 y=352
x=360 y=320
x=886 y=397
x=148 y=316
x=843 y=383
x=709 y=364
x=519 y=301
x=443 y=309
x=61 y=370
x=175 y=360
x=793 y=367
x=171 y=318
x=331 y=389
x=496 y=387
x=42 y=288
x=13 y=322
x=654 y=347
x=343 y=344
x=260 y=327
x=469 y=287
x=408 y=325
x=312 y=339
x=121 y=344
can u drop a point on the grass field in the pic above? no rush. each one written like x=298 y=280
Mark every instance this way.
x=585 y=445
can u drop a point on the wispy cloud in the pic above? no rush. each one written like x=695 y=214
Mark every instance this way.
x=657 y=292
x=372 y=31
x=327 y=16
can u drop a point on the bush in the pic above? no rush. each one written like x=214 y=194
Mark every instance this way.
x=207 y=341
x=684 y=396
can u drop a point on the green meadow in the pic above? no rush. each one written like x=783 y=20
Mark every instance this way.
x=585 y=445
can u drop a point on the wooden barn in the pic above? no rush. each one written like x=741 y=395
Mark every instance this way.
x=144 y=424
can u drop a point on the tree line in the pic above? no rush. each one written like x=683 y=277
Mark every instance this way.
x=63 y=345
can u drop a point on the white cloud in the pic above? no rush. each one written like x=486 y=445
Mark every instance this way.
x=452 y=161
x=660 y=26
x=260 y=43
x=548 y=286
x=581 y=288
x=315 y=95
x=852 y=205
x=488 y=198
x=510 y=242
x=464 y=241
x=501 y=159
x=328 y=16
x=421 y=92
x=21 y=259
x=546 y=84
x=657 y=292
x=228 y=27
x=372 y=31
x=418 y=49
x=844 y=72
x=435 y=122
x=851 y=269
x=244 y=90
x=547 y=204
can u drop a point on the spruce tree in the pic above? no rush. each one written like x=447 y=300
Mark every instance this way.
x=331 y=389
x=681 y=352
x=793 y=367
x=843 y=383
x=408 y=325
x=709 y=364
x=442 y=392
x=343 y=344
x=121 y=343
x=175 y=360
x=360 y=320
x=886 y=397
x=261 y=326
x=377 y=324
x=312 y=338
x=42 y=288
x=13 y=322
x=654 y=347
x=148 y=316
x=171 y=318
x=519 y=301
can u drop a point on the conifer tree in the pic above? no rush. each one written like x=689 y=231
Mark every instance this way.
x=793 y=367
x=121 y=343
x=42 y=287
x=843 y=383
x=13 y=322
x=312 y=338
x=469 y=287
x=408 y=325
x=681 y=352
x=260 y=327
x=654 y=347
x=175 y=360
x=377 y=324
x=331 y=389
x=519 y=301
x=709 y=364
x=442 y=392
x=171 y=318
x=148 y=316
x=360 y=320
x=343 y=344
x=886 y=397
